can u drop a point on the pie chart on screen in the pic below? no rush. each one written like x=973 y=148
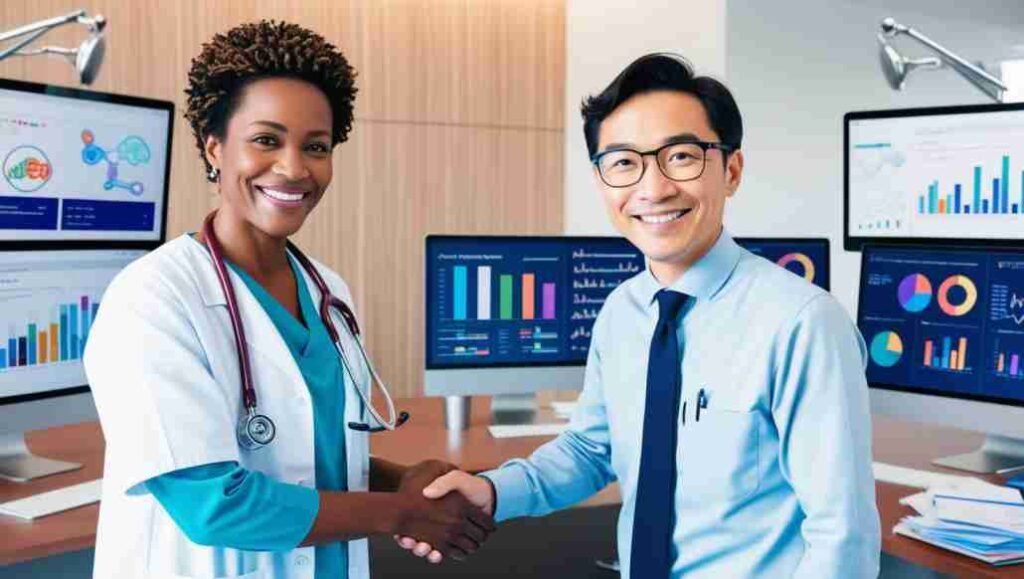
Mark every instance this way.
x=886 y=349
x=805 y=265
x=959 y=289
x=915 y=293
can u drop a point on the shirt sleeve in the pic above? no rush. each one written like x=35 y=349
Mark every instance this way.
x=570 y=468
x=225 y=505
x=821 y=410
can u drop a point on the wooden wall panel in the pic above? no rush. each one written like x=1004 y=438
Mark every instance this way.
x=458 y=129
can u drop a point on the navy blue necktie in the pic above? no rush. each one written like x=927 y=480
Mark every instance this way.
x=651 y=556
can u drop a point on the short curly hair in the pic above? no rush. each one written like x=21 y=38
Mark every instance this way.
x=265 y=49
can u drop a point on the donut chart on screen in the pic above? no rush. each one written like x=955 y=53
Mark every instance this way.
x=804 y=261
x=886 y=349
x=970 y=297
x=915 y=293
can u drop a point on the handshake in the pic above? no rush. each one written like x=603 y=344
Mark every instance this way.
x=437 y=522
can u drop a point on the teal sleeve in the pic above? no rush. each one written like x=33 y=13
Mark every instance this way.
x=226 y=505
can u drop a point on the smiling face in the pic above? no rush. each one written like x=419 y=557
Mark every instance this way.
x=275 y=158
x=674 y=223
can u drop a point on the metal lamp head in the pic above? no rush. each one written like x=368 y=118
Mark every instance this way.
x=896 y=67
x=89 y=57
x=892 y=65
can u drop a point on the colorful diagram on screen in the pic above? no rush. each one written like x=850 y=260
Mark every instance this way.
x=132 y=150
x=886 y=349
x=805 y=263
x=965 y=293
x=27 y=168
x=915 y=293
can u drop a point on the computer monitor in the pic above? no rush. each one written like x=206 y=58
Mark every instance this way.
x=955 y=174
x=945 y=332
x=81 y=165
x=48 y=300
x=807 y=257
x=512 y=315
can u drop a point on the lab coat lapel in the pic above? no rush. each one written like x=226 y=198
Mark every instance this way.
x=260 y=333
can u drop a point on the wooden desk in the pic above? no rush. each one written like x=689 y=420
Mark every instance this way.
x=895 y=442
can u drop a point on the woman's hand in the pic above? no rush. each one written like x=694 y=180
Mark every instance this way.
x=449 y=526
x=477 y=490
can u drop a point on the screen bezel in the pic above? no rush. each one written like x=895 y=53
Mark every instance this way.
x=110 y=98
x=871 y=248
x=813 y=240
x=429 y=279
x=855 y=243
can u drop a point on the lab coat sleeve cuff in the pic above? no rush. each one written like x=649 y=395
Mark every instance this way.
x=512 y=491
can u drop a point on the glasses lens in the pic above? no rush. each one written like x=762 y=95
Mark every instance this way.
x=621 y=168
x=682 y=161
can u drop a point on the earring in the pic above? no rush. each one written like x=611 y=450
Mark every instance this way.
x=214 y=173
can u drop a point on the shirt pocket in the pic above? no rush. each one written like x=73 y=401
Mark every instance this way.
x=719 y=455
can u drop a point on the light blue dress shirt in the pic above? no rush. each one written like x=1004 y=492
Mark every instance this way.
x=774 y=479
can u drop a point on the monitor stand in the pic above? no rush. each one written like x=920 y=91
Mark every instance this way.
x=513 y=408
x=998 y=454
x=18 y=464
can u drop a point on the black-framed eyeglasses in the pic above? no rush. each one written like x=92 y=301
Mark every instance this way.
x=684 y=161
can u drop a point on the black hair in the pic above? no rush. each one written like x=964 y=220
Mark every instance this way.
x=664 y=71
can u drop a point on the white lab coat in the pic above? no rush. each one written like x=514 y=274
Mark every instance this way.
x=162 y=364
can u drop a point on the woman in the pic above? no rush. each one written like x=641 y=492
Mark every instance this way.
x=183 y=494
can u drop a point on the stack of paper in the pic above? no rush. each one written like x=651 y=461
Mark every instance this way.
x=975 y=518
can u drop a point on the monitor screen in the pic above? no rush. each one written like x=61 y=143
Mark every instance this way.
x=944 y=321
x=808 y=258
x=81 y=165
x=48 y=300
x=513 y=301
x=951 y=173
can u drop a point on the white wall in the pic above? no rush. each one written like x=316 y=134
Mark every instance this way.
x=796 y=71
x=602 y=37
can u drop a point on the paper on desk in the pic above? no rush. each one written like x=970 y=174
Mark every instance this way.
x=978 y=490
x=920 y=502
x=988 y=514
x=990 y=549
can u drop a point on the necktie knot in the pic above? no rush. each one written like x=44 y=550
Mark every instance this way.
x=669 y=304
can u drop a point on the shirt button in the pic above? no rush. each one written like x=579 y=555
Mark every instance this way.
x=302 y=560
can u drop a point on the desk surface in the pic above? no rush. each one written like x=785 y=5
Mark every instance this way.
x=895 y=442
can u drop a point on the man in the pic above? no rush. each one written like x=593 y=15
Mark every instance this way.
x=726 y=395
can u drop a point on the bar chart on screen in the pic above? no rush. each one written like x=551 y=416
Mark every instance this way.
x=49 y=301
x=1002 y=194
x=500 y=303
x=50 y=338
x=946 y=174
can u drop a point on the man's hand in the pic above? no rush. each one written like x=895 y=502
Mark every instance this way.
x=477 y=490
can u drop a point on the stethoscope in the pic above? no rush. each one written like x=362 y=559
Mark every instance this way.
x=255 y=430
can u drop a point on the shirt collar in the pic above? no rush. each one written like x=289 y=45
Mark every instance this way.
x=704 y=278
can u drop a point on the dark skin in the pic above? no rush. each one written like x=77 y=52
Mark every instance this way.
x=275 y=164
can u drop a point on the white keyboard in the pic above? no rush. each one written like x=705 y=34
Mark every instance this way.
x=516 y=430
x=910 y=477
x=54 y=501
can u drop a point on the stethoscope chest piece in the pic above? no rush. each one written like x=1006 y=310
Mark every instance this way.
x=255 y=431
